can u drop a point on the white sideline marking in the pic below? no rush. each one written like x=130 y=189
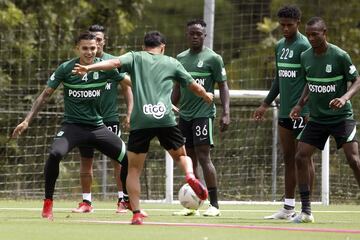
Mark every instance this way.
x=173 y=209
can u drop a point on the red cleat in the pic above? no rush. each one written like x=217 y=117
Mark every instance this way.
x=84 y=207
x=122 y=207
x=137 y=219
x=47 y=209
x=199 y=189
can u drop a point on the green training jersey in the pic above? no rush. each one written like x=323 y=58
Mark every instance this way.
x=152 y=77
x=207 y=68
x=109 y=100
x=82 y=94
x=327 y=76
x=289 y=80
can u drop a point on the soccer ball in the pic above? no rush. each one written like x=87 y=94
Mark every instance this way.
x=188 y=198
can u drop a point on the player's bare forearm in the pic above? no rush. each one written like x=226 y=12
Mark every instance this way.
x=199 y=91
x=175 y=95
x=225 y=102
x=126 y=90
x=354 y=88
x=304 y=97
x=103 y=65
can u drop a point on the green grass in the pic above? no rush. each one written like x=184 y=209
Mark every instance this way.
x=21 y=220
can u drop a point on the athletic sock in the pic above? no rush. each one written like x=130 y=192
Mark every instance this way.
x=213 y=197
x=136 y=211
x=120 y=196
x=87 y=197
x=126 y=197
x=305 y=199
x=289 y=203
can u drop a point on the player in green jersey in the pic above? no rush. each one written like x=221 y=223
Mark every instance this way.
x=328 y=70
x=82 y=123
x=109 y=111
x=152 y=75
x=289 y=82
x=196 y=116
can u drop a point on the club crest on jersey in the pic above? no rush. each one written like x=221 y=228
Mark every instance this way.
x=291 y=53
x=328 y=68
x=200 y=63
x=96 y=75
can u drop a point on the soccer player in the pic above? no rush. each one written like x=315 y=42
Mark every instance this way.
x=152 y=75
x=196 y=116
x=82 y=123
x=109 y=111
x=328 y=70
x=289 y=82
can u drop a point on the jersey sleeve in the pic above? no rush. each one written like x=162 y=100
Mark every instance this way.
x=350 y=71
x=182 y=76
x=126 y=61
x=56 y=78
x=218 y=68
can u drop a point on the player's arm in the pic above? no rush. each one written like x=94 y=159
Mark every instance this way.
x=296 y=110
x=176 y=94
x=127 y=93
x=340 y=102
x=103 y=65
x=225 y=102
x=36 y=107
x=199 y=91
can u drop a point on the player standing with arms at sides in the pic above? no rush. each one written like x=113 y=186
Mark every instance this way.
x=289 y=82
x=82 y=123
x=109 y=110
x=328 y=70
x=196 y=116
x=152 y=75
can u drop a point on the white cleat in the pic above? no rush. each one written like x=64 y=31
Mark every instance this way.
x=187 y=212
x=212 y=212
x=282 y=214
x=303 y=218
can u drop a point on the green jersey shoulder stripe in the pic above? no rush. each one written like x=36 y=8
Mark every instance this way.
x=289 y=65
x=333 y=79
x=199 y=74
x=77 y=86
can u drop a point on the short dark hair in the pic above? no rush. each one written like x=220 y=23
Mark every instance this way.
x=84 y=36
x=196 y=21
x=289 y=11
x=96 y=28
x=154 y=39
x=314 y=20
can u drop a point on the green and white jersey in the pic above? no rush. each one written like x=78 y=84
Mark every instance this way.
x=82 y=94
x=289 y=74
x=327 y=76
x=109 y=100
x=207 y=68
x=152 y=77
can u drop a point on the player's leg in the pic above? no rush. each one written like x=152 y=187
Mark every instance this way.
x=288 y=146
x=351 y=151
x=86 y=177
x=172 y=140
x=68 y=137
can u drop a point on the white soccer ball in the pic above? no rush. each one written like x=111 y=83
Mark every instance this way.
x=188 y=198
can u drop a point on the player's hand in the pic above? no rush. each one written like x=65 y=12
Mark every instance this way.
x=80 y=69
x=175 y=108
x=337 y=103
x=295 y=112
x=224 y=122
x=19 y=129
x=126 y=123
x=259 y=113
x=209 y=97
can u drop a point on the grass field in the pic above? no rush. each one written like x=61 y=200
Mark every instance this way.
x=21 y=220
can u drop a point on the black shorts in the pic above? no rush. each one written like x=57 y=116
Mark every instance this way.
x=88 y=151
x=74 y=135
x=296 y=126
x=169 y=138
x=198 y=131
x=316 y=134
